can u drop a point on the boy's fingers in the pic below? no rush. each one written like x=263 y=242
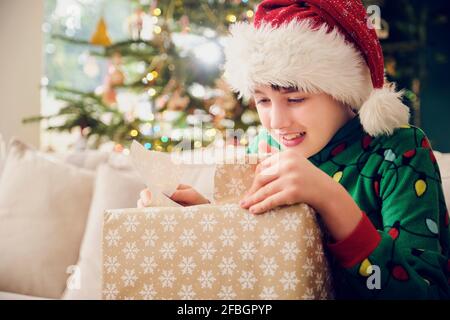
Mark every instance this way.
x=184 y=195
x=259 y=182
x=146 y=197
x=145 y=193
x=188 y=197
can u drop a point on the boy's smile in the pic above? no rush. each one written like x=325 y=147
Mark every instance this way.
x=292 y=139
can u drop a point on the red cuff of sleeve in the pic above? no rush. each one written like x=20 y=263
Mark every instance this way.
x=358 y=245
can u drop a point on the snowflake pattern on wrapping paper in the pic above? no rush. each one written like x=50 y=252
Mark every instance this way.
x=110 y=291
x=208 y=222
x=168 y=250
x=149 y=237
x=290 y=251
x=148 y=292
x=188 y=212
x=207 y=250
x=268 y=293
x=206 y=279
x=130 y=250
x=227 y=266
x=228 y=236
x=169 y=222
x=187 y=265
x=131 y=224
x=151 y=213
x=269 y=237
x=229 y=210
x=289 y=280
x=226 y=293
x=247 y=279
x=111 y=264
x=113 y=237
x=186 y=292
x=188 y=237
x=129 y=278
x=149 y=265
x=167 y=278
x=269 y=266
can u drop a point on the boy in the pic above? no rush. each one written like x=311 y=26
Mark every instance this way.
x=315 y=69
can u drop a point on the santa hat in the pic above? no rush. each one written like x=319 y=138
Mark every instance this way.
x=317 y=46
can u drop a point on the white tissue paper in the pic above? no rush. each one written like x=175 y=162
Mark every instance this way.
x=162 y=173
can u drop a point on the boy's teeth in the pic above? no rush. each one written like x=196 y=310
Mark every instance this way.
x=293 y=136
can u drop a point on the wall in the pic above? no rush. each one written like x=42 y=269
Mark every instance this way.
x=435 y=108
x=20 y=67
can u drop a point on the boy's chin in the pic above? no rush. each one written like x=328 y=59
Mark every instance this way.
x=301 y=149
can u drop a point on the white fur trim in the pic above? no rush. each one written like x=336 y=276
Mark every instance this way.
x=294 y=54
x=384 y=111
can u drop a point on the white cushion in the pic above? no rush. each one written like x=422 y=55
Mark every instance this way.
x=2 y=154
x=114 y=189
x=16 y=296
x=43 y=211
x=87 y=159
x=443 y=160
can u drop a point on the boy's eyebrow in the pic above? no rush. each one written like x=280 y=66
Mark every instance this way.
x=288 y=90
x=282 y=90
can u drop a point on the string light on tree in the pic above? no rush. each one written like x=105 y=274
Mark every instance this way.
x=157 y=12
x=147 y=145
x=231 y=18
x=157 y=29
x=134 y=133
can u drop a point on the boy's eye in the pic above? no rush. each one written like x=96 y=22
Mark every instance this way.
x=262 y=101
x=296 y=100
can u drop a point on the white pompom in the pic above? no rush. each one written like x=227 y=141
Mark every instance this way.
x=384 y=111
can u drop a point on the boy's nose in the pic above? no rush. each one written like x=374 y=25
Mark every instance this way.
x=279 y=117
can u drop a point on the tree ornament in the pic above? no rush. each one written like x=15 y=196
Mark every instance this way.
x=100 y=36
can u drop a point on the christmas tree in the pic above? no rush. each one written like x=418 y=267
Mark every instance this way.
x=171 y=65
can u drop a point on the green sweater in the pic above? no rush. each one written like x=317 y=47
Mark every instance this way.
x=396 y=182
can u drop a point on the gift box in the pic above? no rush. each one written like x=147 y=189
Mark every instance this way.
x=215 y=251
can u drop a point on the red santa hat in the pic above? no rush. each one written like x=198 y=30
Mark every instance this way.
x=317 y=46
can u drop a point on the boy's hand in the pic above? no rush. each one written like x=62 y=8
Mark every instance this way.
x=184 y=195
x=285 y=178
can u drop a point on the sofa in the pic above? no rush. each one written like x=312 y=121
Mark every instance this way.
x=51 y=215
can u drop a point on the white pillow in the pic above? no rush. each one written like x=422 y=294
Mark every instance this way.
x=2 y=154
x=443 y=160
x=114 y=189
x=43 y=211
x=87 y=159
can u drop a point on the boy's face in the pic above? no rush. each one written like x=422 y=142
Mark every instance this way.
x=300 y=121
